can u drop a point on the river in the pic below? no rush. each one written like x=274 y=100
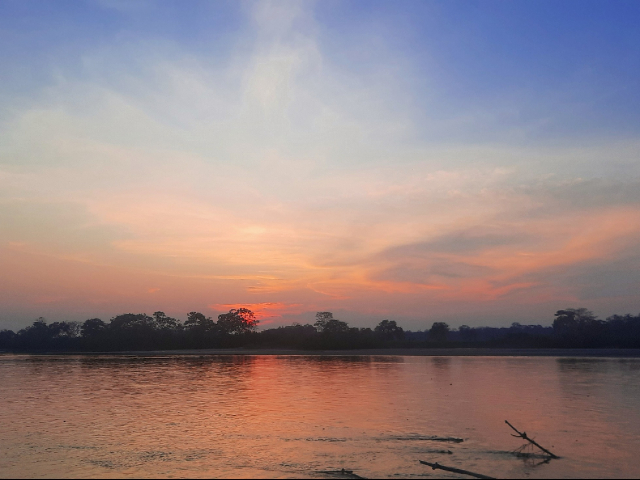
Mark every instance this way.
x=307 y=416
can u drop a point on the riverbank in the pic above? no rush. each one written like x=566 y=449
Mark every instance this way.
x=410 y=352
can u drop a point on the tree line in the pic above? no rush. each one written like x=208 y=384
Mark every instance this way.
x=571 y=328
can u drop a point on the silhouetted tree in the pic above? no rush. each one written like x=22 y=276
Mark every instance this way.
x=321 y=320
x=36 y=336
x=571 y=318
x=579 y=327
x=132 y=322
x=166 y=323
x=389 y=330
x=237 y=321
x=439 y=332
x=92 y=327
x=196 y=321
x=65 y=329
x=335 y=326
x=131 y=331
x=325 y=323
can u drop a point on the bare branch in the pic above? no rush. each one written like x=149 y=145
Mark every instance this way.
x=523 y=435
x=437 y=466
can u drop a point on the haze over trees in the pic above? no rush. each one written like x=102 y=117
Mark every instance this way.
x=571 y=328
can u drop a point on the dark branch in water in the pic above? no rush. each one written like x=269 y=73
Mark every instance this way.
x=437 y=466
x=348 y=473
x=523 y=435
x=429 y=439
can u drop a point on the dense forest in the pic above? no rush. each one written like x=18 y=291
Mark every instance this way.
x=572 y=328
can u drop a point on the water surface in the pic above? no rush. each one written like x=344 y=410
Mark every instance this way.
x=303 y=416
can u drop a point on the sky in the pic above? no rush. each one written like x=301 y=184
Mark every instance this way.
x=470 y=162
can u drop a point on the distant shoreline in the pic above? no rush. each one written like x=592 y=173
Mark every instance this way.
x=408 y=352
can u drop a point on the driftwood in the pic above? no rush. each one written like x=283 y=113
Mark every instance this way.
x=523 y=435
x=347 y=473
x=427 y=439
x=437 y=466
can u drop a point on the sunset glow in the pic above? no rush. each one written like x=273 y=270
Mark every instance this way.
x=289 y=158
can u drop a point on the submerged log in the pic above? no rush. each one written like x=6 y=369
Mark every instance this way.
x=429 y=439
x=437 y=466
x=347 y=473
x=524 y=436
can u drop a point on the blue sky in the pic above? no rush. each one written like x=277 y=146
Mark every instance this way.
x=460 y=161
x=574 y=61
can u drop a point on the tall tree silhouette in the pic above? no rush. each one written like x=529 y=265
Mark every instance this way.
x=321 y=320
x=237 y=321
x=389 y=330
x=439 y=332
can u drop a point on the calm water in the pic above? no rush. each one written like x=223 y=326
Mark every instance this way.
x=292 y=416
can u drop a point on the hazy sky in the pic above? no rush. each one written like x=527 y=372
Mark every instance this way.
x=472 y=162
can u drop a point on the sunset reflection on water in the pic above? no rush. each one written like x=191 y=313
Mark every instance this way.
x=291 y=416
